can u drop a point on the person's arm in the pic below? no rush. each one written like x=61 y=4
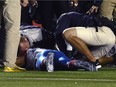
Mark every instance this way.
x=94 y=8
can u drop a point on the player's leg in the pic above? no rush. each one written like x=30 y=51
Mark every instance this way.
x=73 y=38
x=81 y=37
x=61 y=61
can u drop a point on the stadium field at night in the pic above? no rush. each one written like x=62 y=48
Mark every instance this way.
x=105 y=77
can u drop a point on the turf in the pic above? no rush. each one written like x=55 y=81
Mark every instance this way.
x=106 y=77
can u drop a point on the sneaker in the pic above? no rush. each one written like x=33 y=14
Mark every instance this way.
x=97 y=64
x=49 y=62
x=14 y=69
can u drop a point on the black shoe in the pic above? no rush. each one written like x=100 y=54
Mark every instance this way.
x=97 y=64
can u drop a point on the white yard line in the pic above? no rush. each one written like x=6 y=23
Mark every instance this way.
x=66 y=79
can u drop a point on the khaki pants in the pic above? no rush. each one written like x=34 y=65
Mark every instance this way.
x=100 y=45
x=11 y=14
x=108 y=9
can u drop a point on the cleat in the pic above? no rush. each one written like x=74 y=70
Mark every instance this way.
x=49 y=62
x=14 y=69
x=85 y=65
x=97 y=64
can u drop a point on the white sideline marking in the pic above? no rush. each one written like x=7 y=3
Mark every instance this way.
x=94 y=80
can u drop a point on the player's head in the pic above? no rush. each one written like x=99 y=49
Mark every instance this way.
x=23 y=45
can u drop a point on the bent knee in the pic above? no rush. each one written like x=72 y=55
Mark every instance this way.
x=69 y=32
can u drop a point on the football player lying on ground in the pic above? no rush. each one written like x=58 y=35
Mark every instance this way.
x=50 y=60
x=32 y=37
x=97 y=32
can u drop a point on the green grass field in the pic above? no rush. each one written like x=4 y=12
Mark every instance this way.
x=106 y=77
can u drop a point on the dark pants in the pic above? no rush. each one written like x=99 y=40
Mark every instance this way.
x=25 y=16
x=1 y=13
x=49 y=11
x=1 y=31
